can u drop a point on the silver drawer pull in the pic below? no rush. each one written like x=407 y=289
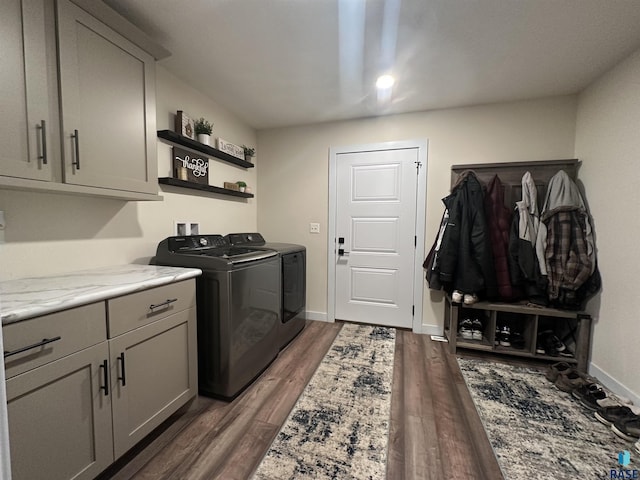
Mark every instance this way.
x=163 y=304
x=44 y=341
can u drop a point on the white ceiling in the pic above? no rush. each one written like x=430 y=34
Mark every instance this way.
x=286 y=62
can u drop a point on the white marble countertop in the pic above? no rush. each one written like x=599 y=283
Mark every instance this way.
x=30 y=297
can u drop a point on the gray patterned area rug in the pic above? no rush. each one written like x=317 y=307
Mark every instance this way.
x=339 y=427
x=538 y=431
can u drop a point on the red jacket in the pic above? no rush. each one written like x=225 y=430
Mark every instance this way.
x=499 y=224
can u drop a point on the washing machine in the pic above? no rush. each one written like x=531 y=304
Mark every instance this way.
x=239 y=302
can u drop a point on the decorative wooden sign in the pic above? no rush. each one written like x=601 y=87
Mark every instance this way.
x=190 y=167
x=230 y=148
x=184 y=125
x=231 y=186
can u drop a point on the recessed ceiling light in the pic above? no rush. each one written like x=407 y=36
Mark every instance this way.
x=385 y=81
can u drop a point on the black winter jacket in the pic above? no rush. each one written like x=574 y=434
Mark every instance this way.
x=524 y=267
x=465 y=260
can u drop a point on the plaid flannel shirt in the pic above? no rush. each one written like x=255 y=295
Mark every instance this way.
x=568 y=263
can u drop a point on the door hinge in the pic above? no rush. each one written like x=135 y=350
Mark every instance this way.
x=413 y=310
x=418 y=165
x=415 y=241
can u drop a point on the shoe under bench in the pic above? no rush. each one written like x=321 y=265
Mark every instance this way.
x=531 y=318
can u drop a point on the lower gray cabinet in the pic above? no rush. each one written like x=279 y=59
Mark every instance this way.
x=60 y=418
x=86 y=384
x=153 y=373
x=153 y=358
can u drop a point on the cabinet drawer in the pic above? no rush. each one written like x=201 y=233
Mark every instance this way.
x=77 y=329
x=141 y=308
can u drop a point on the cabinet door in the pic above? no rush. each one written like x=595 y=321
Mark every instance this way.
x=107 y=89
x=154 y=372
x=60 y=418
x=24 y=95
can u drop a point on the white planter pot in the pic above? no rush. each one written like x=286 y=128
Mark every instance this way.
x=242 y=189
x=204 y=138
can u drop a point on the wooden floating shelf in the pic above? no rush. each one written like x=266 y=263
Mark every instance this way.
x=187 y=142
x=175 y=182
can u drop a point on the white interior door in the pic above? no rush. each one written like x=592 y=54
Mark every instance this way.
x=375 y=225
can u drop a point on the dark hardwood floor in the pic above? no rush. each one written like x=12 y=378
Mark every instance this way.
x=434 y=433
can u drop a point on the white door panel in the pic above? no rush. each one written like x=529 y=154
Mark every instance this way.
x=375 y=235
x=376 y=183
x=374 y=285
x=376 y=193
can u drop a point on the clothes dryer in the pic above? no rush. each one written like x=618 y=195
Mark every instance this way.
x=293 y=263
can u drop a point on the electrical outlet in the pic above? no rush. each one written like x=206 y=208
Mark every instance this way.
x=314 y=228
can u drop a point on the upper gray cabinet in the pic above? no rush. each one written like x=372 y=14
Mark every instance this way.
x=107 y=88
x=25 y=92
x=84 y=120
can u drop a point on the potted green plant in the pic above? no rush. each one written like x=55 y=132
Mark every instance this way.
x=248 y=152
x=203 y=129
x=241 y=185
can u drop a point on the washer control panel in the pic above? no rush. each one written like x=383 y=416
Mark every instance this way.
x=196 y=242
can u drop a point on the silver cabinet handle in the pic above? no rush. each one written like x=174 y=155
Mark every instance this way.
x=44 y=341
x=166 y=303
x=76 y=137
x=43 y=132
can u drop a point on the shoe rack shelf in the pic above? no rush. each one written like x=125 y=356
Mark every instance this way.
x=532 y=320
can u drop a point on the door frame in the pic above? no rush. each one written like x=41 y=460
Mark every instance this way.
x=420 y=220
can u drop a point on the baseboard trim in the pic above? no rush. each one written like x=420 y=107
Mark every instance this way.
x=431 y=329
x=426 y=329
x=319 y=316
x=612 y=384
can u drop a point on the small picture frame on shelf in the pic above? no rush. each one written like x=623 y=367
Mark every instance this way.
x=184 y=125
x=190 y=167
